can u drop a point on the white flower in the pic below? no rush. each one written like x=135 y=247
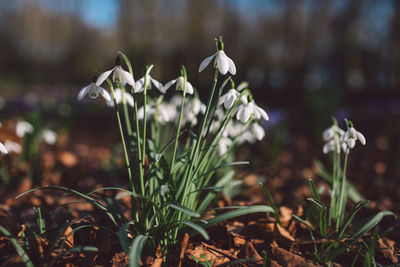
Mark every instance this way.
x=119 y=75
x=22 y=128
x=192 y=108
x=49 y=136
x=349 y=138
x=93 y=91
x=13 y=147
x=229 y=98
x=139 y=85
x=222 y=62
x=180 y=85
x=245 y=111
x=149 y=112
x=247 y=136
x=330 y=132
x=331 y=136
x=164 y=189
x=258 y=131
x=223 y=145
x=3 y=149
x=118 y=98
x=165 y=112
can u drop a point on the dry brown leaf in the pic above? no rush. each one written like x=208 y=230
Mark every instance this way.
x=184 y=245
x=288 y=259
x=67 y=158
x=215 y=255
x=248 y=251
x=386 y=247
x=69 y=237
x=285 y=215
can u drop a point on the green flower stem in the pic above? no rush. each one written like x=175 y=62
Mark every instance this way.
x=126 y=112
x=122 y=139
x=221 y=88
x=343 y=193
x=179 y=127
x=194 y=152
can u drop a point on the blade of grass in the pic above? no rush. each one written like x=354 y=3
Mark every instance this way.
x=136 y=250
x=197 y=228
x=20 y=250
x=183 y=209
x=271 y=202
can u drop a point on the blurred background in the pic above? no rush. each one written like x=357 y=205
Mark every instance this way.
x=306 y=60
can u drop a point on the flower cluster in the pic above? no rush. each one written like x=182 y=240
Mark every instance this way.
x=337 y=139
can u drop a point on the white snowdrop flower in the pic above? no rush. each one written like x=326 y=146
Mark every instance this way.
x=165 y=113
x=245 y=111
x=258 y=131
x=233 y=129
x=139 y=85
x=180 y=85
x=164 y=189
x=149 y=112
x=248 y=137
x=22 y=128
x=3 y=149
x=332 y=136
x=118 y=98
x=223 y=145
x=192 y=108
x=229 y=98
x=93 y=91
x=222 y=62
x=349 y=138
x=12 y=146
x=120 y=75
x=330 y=132
x=49 y=136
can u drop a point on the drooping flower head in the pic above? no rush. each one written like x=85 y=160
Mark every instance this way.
x=139 y=85
x=349 y=138
x=180 y=85
x=22 y=128
x=93 y=91
x=332 y=137
x=120 y=75
x=229 y=98
x=119 y=94
x=248 y=109
x=222 y=61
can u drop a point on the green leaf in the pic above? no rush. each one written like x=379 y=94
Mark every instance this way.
x=317 y=203
x=198 y=228
x=123 y=239
x=20 y=250
x=239 y=212
x=370 y=224
x=183 y=209
x=93 y=201
x=314 y=191
x=272 y=202
x=353 y=213
x=136 y=250
x=224 y=166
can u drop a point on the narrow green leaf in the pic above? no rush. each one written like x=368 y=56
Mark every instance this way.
x=183 y=209
x=272 y=202
x=123 y=239
x=317 y=203
x=370 y=224
x=224 y=166
x=93 y=201
x=353 y=213
x=239 y=212
x=20 y=250
x=314 y=191
x=136 y=250
x=197 y=228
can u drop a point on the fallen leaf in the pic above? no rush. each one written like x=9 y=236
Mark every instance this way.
x=386 y=247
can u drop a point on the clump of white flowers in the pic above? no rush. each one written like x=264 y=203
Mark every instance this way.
x=22 y=128
x=336 y=138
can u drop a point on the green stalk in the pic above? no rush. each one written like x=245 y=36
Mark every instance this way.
x=126 y=112
x=179 y=124
x=343 y=193
x=122 y=138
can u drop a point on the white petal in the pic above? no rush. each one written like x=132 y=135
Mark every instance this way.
x=3 y=149
x=205 y=62
x=129 y=99
x=232 y=67
x=222 y=99
x=83 y=92
x=103 y=92
x=264 y=114
x=127 y=77
x=103 y=77
x=328 y=134
x=361 y=137
x=229 y=102
x=222 y=62
x=189 y=88
x=156 y=83
x=351 y=143
x=167 y=86
x=258 y=131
